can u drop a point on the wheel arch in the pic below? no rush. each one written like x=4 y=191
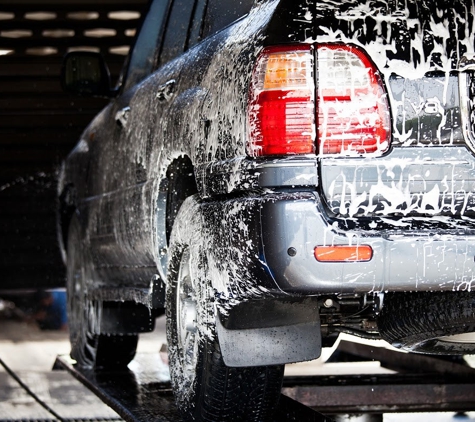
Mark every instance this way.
x=181 y=184
x=66 y=209
x=177 y=184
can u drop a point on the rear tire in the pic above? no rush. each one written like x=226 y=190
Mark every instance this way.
x=205 y=388
x=426 y=321
x=89 y=348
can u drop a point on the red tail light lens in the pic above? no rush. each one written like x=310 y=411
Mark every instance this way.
x=282 y=102
x=353 y=112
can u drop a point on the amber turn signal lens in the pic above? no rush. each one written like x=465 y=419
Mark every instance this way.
x=343 y=253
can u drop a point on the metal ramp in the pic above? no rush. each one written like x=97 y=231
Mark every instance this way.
x=418 y=384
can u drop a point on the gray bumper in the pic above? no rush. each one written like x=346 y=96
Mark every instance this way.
x=402 y=259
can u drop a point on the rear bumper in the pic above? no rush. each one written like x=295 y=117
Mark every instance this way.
x=402 y=259
x=262 y=290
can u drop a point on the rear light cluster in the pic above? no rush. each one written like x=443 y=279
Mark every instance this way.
x=282 y=107
x=349 y=116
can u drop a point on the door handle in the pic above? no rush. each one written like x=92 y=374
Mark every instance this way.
x=122 y=116
x=165 y=91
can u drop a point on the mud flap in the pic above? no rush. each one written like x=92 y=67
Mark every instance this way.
x=270 y=345
x=125 y=318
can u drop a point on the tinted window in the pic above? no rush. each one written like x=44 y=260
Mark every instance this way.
x=177 y=30
x=197 y=24
x=143 y=57
x=220 y=14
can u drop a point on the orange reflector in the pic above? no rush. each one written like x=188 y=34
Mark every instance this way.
x=343 y=253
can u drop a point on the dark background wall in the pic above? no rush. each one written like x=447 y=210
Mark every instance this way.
x=39 y=123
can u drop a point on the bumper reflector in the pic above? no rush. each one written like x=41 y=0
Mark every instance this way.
x=343 y=253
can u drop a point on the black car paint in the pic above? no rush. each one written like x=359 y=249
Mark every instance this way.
x=119 y=170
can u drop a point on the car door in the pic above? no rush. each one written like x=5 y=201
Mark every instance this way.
x=110 y=174
x=124 y=248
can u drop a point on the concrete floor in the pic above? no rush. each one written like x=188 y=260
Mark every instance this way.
x=31 y=353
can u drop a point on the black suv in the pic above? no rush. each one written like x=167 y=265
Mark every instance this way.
x=271 y=174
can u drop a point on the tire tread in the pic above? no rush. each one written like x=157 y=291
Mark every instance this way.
x=415 y=320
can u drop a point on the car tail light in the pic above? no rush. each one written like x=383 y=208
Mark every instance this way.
x=282 y=102
x=352 y=115
x=353 y=112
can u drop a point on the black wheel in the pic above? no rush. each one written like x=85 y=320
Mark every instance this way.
x=430 y=322
x=89 y=348
x=205 y=389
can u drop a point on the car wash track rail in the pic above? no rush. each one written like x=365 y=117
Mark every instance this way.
x=410 y=383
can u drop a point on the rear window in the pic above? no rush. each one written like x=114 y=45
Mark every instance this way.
x=177 y=30
x=142 y=59
x=220 y=14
